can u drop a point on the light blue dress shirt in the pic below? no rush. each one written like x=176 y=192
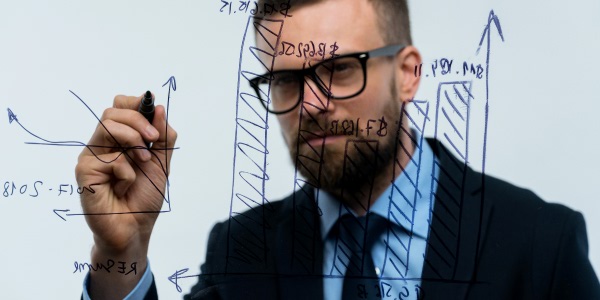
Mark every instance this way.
x=398 y=256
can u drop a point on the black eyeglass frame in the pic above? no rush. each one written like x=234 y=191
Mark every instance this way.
x=389 y=50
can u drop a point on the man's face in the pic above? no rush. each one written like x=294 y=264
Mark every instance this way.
x=353 y=27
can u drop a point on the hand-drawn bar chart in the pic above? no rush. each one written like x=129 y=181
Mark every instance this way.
x=250 y=153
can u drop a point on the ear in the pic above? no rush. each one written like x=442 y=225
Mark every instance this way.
x=407 y=83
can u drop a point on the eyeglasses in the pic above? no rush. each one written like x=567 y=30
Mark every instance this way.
x=339 y=78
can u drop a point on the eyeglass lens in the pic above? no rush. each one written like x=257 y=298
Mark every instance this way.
x=337 y=78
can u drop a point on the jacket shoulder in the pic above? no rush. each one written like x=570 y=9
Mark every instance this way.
x=517 y=202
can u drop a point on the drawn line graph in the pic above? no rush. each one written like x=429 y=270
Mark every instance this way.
x=63 y=213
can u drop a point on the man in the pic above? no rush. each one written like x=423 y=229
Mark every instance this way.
x=342 y=235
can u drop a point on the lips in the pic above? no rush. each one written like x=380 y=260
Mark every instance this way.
x=316 y=138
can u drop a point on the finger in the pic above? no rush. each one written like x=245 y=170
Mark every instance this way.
x=133 y=119
x=125 y=175
x=111 y=136
x=167 y=135
x=129 y=117
x=128 y=102
x=106 y=168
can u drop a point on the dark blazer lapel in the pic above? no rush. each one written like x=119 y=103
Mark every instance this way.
x=457 y=226
x=300 y=247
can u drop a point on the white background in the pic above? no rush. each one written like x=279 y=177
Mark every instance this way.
x=543 y=131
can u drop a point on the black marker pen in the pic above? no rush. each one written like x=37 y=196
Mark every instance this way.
x=147 y=109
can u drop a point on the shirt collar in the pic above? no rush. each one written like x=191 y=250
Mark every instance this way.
x=396 y=202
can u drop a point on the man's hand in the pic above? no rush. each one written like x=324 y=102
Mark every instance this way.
x=129 y=189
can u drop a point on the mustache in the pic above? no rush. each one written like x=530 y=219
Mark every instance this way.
x=311 y=128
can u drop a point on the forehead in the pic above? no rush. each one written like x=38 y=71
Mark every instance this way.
x=351 y=24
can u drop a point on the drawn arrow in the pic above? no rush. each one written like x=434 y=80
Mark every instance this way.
x=492 y=18
x=61 y=210
x=177 y=275
x=11 y=116
x=67 y=214
x=486 y=37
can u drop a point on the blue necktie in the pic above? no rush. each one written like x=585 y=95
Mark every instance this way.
x=358 y=236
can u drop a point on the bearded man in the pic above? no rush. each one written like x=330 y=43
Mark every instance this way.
x=361 y=227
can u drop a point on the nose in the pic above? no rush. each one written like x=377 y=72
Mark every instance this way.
x=314 y=100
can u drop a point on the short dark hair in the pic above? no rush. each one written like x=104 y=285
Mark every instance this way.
x=393 y=18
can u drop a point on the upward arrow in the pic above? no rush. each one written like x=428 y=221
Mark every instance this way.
x=492 y=19
x=487 y=37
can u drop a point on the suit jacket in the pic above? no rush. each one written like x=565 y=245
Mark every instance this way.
x=488 y=240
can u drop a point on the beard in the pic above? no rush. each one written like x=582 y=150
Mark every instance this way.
x=353 y=167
